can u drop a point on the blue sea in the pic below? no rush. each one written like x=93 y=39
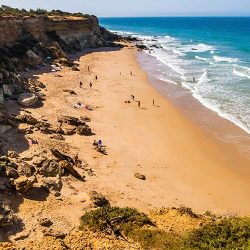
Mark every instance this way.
x=209 y=56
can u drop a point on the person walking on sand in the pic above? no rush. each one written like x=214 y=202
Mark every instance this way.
x=139 y=104
x=120 y=73
x=96 y=77
x=88 y=69
x=80 y=84
x=90 y=84
x=153 y=102
x=131 y=73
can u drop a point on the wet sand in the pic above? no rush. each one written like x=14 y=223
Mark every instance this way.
x=182 y=163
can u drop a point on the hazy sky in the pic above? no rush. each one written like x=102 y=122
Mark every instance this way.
x=103 y=8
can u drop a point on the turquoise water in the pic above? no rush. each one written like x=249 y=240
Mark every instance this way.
x=210 y=56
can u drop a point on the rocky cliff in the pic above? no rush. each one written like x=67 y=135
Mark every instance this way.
x=27 y=42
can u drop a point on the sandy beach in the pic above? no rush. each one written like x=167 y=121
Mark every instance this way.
x=182 y=164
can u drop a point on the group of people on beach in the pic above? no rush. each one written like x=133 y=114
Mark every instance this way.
x=90 y=83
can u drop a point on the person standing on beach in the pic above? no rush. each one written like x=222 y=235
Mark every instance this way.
x=153 y=102
x=120 y=73
x=131 y=73
x=80 y=84
x=88 y=69
x=139 y=104
x=96 y=77
x=90 y=84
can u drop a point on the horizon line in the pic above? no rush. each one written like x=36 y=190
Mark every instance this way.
x=248 y=16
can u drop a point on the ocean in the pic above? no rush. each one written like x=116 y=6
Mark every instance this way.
x=208 y=56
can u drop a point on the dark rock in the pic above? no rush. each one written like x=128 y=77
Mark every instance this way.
x=84 y=130
x=57 y=137
x=49 y=168
x=45 y=222
x=98 y=199
x=23 y=184
x=140 y=176
x=72 y=92
x=75 y=68
x=70 y=120
x=70 y=168
x=26 y=118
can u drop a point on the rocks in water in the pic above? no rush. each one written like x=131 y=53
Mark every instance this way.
x=27 y=99
x=84 y=130
x=98 y=199
x=141 y=46
x=70 y=168
x=70 y=91
x=26 y=118
x=23 y=184
x=140 y=176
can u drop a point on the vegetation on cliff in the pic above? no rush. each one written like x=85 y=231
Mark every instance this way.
x=207 y=231
x=9 y=11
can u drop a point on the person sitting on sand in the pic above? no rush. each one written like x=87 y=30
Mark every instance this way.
x=90 y=85
x=99 y=144
x=80 y=84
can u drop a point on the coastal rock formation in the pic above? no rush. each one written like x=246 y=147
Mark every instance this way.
x=29 y=41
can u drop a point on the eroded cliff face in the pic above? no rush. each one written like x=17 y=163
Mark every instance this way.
x=27 y=42
x=86 y=30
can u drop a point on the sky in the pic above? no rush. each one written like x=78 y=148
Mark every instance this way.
x=127 y=8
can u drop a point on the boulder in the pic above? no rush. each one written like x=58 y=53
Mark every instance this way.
x=33 y=59
x=49 y=168
x=84 y=130
x=70 y=120
x=26 y=118
x=23 y=184
x=7 y=90
x=85 y=119
x=70 y=168
x=45 y=222
x=53 y=184
x=6 y=216
x=12 y=173
x=25 y=169
x=75 y=68
x=13 y=154
x=68 y=129
x=27 y=99
x=140 y=176
x=98 y=199
x=57 y=137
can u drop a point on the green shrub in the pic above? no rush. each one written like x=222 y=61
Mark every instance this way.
x=227 y=233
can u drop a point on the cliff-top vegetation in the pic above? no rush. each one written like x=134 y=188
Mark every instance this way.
x=9 y=11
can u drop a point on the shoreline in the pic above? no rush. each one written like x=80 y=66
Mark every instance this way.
x=183 y=165
x=167 y=136
x=197 y=112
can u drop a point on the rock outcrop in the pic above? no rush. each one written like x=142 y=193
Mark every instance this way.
x=26 y=42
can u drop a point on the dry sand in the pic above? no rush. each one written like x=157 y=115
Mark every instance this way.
x=183 y=165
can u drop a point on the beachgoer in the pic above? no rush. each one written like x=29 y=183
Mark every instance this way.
x=139 y=104
x=96 y=77
x=90 y=84
x=131 y=73
x=80 y=84
x=88 y=69
x=153 y=102
x=99 y=144
x=120 y=73
x=133 y=97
